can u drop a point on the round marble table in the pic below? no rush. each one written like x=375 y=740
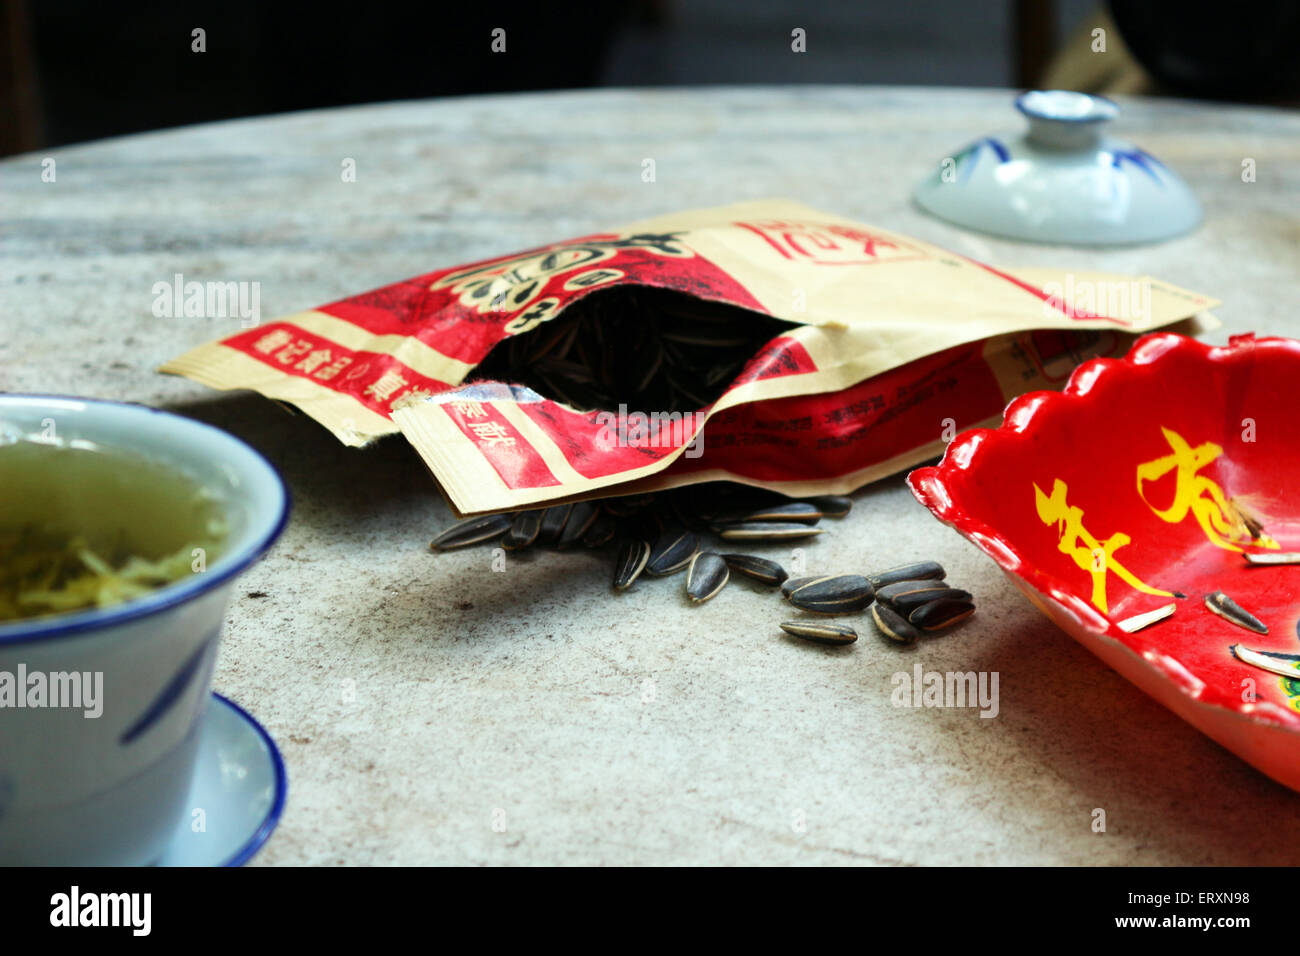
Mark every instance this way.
x=433 y=712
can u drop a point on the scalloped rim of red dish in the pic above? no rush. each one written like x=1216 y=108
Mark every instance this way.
x=963 y=454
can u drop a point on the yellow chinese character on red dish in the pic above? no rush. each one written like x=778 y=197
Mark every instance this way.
x=1093 y=556
x=1218 y=517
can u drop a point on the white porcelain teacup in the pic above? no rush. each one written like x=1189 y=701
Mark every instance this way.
x=78 y=787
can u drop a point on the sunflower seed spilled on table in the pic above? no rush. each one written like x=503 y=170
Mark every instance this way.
x=601 y=532
x=892 y=624
x=580 y=519
x=472 y=531
x=889 y=592
x=1230 y=610
x=766 y=531
x=936 y=615
x=905 y=604
x=839 y=594
x=821 y=632
x=657 y=534
x=523 y=530
x=631 y=562
x=760 y=569
x=671 y=553
x=790 y=584
x=553 y=522
x=920 y=571
x=801 y=512
x=706 y=576
x=832 y=506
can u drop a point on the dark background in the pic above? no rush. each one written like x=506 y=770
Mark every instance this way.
x=73 y=70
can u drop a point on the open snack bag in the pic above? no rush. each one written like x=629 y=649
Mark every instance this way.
x=766 y=343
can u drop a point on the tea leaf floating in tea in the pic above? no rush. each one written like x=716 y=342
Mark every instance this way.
x=86 y=526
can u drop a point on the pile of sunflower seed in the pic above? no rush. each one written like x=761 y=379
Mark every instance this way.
x=643 y=347
x=905 y=602
x=659 y=535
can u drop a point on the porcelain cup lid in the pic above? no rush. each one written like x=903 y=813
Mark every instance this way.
x=1061 y=180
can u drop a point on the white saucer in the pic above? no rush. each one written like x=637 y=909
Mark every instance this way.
x=237 y=795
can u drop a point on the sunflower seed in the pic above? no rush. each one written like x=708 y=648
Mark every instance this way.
x=472 y=531
x=625 y=505
x=905 y=604
x=892 y=624
x=580 y=518
x=671 y=553
x=760 y=569
x=1135 y=623
x=766 y=531
x=936 y=615
x=821 y=632
x=1274 y=557
x=788 y=586
x=707 y=575
x=890 y=591
x=839 y=594
x=553 y=521
x=831 y=506
x=802 y=512
x=1281 y=664
x=1248 y=519
x=631 y=561
x=1230 y=610
x=523 y=530
x=601 y=532
x=920 y=571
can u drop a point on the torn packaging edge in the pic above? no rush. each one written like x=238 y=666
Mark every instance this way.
x=472 y=485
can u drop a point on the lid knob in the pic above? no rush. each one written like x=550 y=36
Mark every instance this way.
x=1065 y=119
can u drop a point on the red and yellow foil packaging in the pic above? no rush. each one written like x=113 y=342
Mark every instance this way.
x=895 y=346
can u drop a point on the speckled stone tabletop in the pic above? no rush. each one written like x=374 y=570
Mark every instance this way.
x=433 y=711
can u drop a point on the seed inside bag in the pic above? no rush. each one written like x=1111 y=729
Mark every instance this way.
x=637 y=346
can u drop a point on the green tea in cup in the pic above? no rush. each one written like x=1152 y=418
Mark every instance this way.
x=87 y=526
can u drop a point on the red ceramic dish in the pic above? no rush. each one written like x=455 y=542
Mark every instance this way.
x=1144 y=483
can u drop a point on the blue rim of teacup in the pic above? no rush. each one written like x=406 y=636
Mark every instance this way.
x=272 y=819
x=164 y=598
x=1106 y=116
